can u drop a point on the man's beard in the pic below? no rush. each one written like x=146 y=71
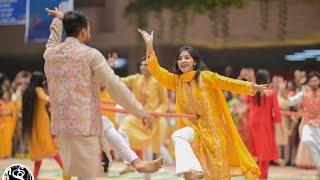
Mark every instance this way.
x=87 y=40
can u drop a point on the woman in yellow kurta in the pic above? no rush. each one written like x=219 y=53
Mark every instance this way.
x=154 y=98
x=20 y=146
x=217 y=145
x=7 y=124
x=108 y=102
x=36 y=123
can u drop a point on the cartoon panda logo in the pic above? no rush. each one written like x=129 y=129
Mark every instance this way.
x=17 y=172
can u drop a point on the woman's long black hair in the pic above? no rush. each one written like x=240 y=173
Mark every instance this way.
x=262 y=77
x=29 y=102
x=199 y=66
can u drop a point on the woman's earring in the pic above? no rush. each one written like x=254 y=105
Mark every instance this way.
x=194 y=66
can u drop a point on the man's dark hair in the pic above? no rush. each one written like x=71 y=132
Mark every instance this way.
x=262 y=77
x=73 y=22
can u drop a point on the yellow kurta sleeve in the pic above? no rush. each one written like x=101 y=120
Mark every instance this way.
x=228 y=84
x=129 y=80
x=163 y=96
x=164 y=77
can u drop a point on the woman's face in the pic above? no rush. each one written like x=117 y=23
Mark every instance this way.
x=290 y=86
x=275 y=80
x=185 y=62
x=6 y=96
x=6 y=83
x=297 y=75
x=244 y=74
x=251 y=75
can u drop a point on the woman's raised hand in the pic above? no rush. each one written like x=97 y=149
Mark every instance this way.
x=148 y=39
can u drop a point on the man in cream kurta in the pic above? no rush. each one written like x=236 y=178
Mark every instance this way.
x=75 y=73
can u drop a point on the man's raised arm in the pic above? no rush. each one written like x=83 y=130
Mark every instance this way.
x=55 y=27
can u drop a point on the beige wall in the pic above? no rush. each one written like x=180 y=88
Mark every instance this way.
x=112 y=29
x=303 y=20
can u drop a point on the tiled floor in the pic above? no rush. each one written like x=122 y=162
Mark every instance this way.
x=50 y=171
